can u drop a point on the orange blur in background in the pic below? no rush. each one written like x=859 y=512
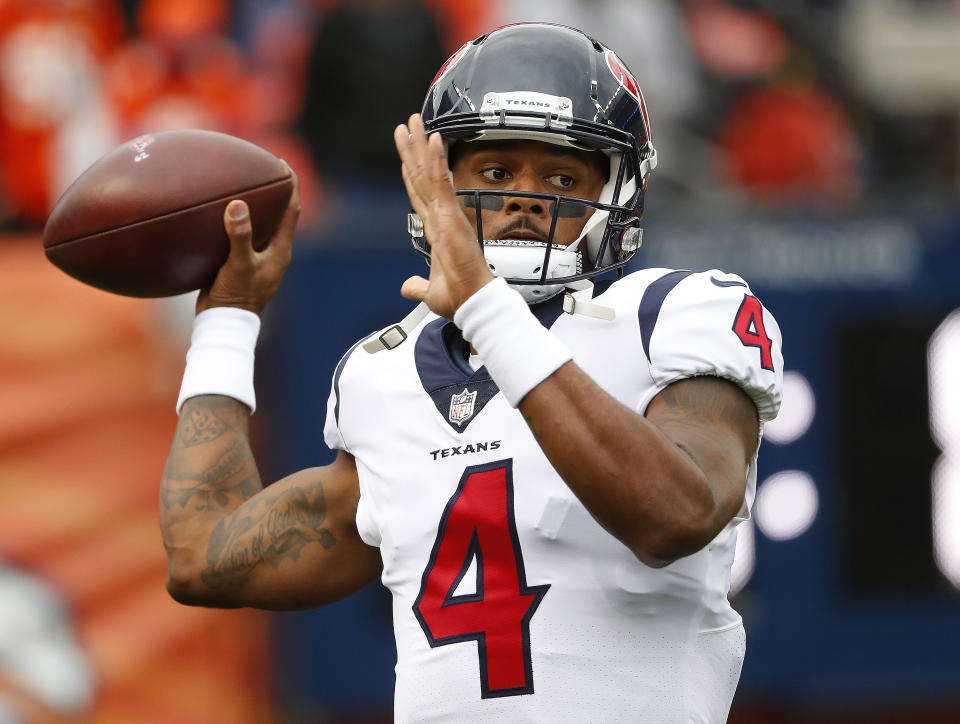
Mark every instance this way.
x=85 y=424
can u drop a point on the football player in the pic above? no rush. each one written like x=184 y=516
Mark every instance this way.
x=545 y=467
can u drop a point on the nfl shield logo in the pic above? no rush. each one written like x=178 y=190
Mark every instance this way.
x=461 y=406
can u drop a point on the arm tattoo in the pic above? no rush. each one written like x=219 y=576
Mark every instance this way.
x=202 y=425
x=268 y=529
x=700 y=399
x=699 y=405
x=211 y=466
x=202 y=496
x=211 y=481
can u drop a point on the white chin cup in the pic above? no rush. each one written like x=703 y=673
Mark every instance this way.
x=523 y=259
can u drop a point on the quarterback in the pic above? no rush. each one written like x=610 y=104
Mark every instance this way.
x=546 y=461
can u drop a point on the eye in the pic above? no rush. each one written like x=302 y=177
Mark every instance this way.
x=562 y=181
x=494 y=173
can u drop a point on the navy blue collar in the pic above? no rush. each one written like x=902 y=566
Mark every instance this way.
x=441 y=356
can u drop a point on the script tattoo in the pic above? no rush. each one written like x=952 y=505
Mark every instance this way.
x=268 y=529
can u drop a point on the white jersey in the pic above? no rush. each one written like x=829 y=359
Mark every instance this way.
x=510 y=602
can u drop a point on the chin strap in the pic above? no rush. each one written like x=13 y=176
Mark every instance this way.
x=394 y=335
x=572 y=305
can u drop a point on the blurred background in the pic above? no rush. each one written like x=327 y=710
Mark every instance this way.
x=812 y=146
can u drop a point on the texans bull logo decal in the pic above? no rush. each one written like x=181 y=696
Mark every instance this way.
x=451 y=63
x=627 y=81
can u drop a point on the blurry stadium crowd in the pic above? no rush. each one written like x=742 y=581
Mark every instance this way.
x=832 y=100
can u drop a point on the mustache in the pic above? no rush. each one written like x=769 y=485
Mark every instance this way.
x=520 y=224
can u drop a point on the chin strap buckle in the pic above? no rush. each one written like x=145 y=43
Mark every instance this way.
x=572 y=305
x=396 y=334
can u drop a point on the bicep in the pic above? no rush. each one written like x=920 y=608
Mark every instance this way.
x=295 y=544
x=716 y=424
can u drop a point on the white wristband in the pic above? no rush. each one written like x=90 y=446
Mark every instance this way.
x=220 y=358
x=517 y=350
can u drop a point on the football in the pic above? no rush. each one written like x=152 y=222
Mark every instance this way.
x=146 y=220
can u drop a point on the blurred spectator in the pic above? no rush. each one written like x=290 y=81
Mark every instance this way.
x=49 y=58
x=72 y=87
x=45 y=675
x=181 y=71
x=734 y=43
x=901 y=60
x=782 y=137
x=368 y=67
x=790 y=142
x=179 y=22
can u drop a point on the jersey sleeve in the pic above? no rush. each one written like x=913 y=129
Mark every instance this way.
x=335 y=439
x=332 y=432
x=331 y=426
x=710 y=323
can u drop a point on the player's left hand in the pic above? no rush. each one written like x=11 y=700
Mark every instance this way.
x=457 y=266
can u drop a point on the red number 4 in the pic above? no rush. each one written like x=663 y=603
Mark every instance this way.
x=748 y=326
x=478 y=524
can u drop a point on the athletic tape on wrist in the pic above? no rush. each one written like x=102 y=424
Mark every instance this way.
x=220 y=358
x=517 y=350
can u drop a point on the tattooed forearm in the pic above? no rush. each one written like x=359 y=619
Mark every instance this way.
x=231 y=457
x=211 y=466
x=231 y=542
x=201 y=424
x=269 y=529
x=204 y=496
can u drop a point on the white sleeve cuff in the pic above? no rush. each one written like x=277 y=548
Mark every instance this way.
x=221 y=354
x=517 y=350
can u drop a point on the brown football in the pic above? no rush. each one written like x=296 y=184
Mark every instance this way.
x=146 y=220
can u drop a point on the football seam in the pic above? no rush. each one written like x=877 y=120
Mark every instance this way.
x=132 y=224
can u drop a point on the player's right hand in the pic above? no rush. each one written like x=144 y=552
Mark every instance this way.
x=250 y=278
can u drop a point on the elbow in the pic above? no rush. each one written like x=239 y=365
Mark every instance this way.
x=687 y=529
x=665 y=549
x=182 y=589
x=188 y=584
x=184 y=582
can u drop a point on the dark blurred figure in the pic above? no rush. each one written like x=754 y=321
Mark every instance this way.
x=789 y=140
x=784 y=136
x=368 y=66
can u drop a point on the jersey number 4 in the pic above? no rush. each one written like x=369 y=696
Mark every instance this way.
x=478 y=525
x=748 y=326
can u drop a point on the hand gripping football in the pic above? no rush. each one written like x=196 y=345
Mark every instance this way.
x=146 y=220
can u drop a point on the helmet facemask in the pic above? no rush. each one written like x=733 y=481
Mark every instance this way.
x=541 y=269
